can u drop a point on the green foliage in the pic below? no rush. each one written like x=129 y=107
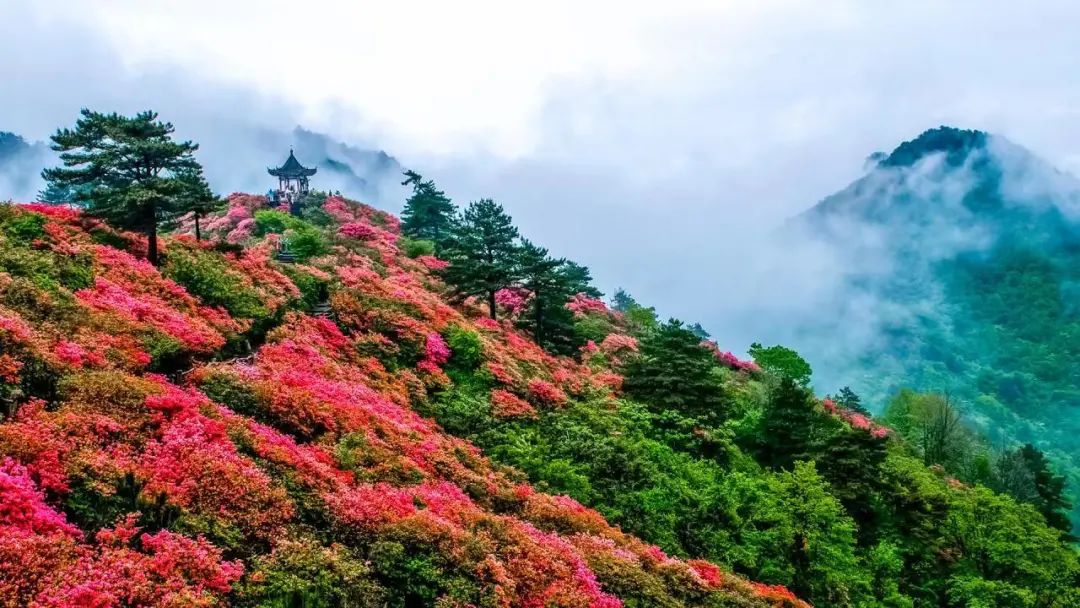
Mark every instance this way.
x=790 y=426
x=305 y=574
x=127 y=170
x=466 y=350
x=552 y=282
x=418 y=575
x=483 y=253
x=849 y=400
x=639 y=317
x=822 y=553
x=312 y=289
x=207 y=274
x=415 y=248
x=676 y=372
x=306 y=241
x=195 y=197
x=19 y=257
x=273 y=221
x=25 y=226
x=782 y=361
x=428 y=214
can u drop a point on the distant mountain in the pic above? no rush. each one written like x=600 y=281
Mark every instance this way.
x=361 y=172
x=20 y=164
x=967 y=248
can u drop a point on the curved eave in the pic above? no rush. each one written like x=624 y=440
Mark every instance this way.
x=292 y=174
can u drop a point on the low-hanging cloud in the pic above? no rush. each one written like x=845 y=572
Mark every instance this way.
x=668 y=174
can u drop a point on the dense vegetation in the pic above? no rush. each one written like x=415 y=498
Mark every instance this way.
x=363 y=423
x=988 y=233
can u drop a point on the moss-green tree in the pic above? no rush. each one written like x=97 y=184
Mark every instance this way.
x=126 y=170
x=790 y=426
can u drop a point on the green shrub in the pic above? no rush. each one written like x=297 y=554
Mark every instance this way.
x=271 y=221
x=232 y=393
x=25 y=227
x=415 y=248
x=312 y=289
x=466 y=351
x=208 y=276
x=306 y=241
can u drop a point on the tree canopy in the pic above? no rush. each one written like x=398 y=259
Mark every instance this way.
x=127 y=170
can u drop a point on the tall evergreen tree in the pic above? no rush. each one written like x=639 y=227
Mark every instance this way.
x=1049 y=489
x=789 y=426
x=483 y=253
x=428 y=212
x=851 y=460
x=850 y=400
x=126 y=170
x=552 y=282
x=675 y=372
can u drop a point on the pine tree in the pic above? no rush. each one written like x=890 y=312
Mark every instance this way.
x=552 y=282
x=622 y=301
x=699 y=331
x=789 y=426
x=849 y=400
x=483 y=253
x=851 y=460
x=124 y=169
x=676 y=372
x=428 y=213
x=196 y=197
x=1049 y=488
x=639 y=317
x=54 y=194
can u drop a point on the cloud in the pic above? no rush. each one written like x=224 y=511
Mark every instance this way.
x=659 y=143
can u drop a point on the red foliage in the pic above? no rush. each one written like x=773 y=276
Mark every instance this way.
x=337 y=428
x=133 y=569
x=582 y=304
x=358 y=230
x=22 y=505
x=547 y=393
x=505 y=404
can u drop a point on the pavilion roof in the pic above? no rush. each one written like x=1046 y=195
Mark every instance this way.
x=292 y=169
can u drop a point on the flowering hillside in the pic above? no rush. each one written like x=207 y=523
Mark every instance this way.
x=298 y=411
x=190 y=435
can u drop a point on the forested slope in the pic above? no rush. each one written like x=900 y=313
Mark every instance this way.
x=193 y=435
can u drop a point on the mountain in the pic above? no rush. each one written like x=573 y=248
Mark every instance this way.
x=327 y=427
x=968 y=247
x=20 y=163
x=361 y=173
x=357 y=171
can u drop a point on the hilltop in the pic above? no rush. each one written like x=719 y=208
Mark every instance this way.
x=975 y=250
x=231 y=428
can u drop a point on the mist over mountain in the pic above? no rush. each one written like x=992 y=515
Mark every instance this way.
x=20 y=162
x=960 y=258
x=361 y=172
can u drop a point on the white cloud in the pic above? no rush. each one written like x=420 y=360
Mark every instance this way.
x=654 y=141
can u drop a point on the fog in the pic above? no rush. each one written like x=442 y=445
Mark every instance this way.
x=663 y=149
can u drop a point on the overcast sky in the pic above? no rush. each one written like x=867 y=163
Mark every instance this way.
x=653 y=141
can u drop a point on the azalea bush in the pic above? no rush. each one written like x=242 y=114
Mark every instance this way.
x=404 y=451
